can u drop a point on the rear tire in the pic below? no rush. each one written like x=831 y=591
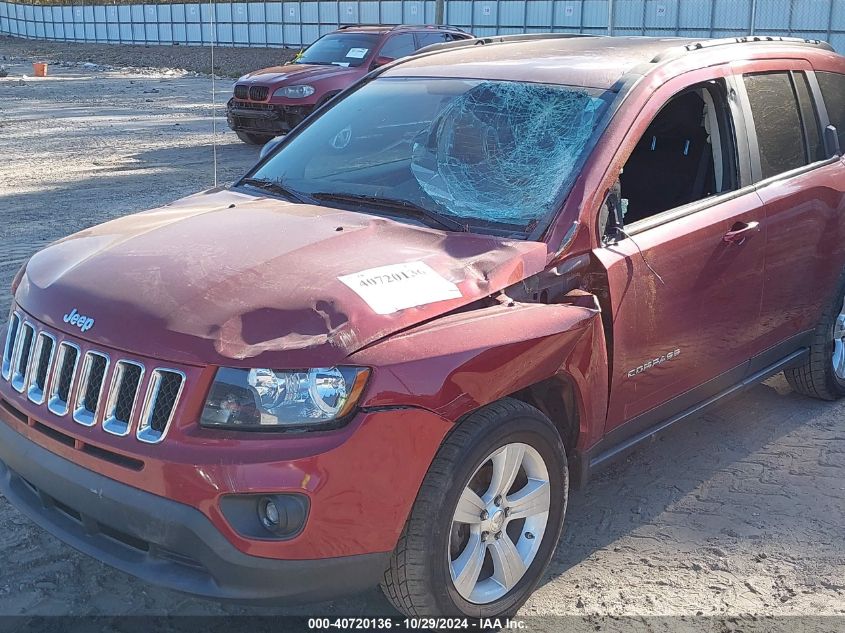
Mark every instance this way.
x=822 y=374
x=253 y=139
x=467 y=549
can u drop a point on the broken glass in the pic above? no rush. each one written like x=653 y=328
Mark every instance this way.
x=487 y=155
x=503 y=150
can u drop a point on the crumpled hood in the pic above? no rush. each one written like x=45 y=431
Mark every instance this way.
x=230 y=279
x=278 y=75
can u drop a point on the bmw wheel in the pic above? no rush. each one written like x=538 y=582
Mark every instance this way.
x=487 y=519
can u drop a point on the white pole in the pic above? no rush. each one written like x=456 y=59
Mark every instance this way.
x=753 y=15
x=211 y=19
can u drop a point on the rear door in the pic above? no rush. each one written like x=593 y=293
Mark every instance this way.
x=685 y=280
x=803 y=193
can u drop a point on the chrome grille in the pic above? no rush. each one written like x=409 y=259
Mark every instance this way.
x=162 y=396
x=241 y=92
x=21 y=356
x=50 y=369
x=92 y=378
x=11 y=336
x=123 y=395
x=66 y=364
x=42 y=361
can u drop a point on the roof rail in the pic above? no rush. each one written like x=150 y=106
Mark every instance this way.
x=501 y=39
x=441 y=27
x=394 y=27
x=677 y=51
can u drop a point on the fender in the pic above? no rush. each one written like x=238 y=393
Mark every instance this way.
x=463 y=361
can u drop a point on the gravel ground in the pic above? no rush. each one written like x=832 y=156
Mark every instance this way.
x=738 y=515
x=228 y=62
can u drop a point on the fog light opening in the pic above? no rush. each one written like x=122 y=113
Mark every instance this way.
x=268 y=514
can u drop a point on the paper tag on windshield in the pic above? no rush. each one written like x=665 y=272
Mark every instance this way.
x=388 y=289
x=357 y=53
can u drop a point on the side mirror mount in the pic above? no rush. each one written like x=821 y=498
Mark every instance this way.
x=381 y=60
x=269 y=146
x=832 y=146
x=612 y=215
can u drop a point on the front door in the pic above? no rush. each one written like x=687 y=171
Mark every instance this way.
x=685 y=277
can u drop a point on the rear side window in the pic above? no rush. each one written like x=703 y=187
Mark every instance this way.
x=833 y=91
x=427 y=38
x=777 y=121
x=398 y=46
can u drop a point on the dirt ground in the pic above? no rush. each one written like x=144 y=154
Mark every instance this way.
x=738 y=515
x=228 y=61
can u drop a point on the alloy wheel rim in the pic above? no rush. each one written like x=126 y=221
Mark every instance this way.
x=499 y=523
x=839 y=345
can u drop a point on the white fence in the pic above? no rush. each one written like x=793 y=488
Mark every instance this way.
x=278 y=23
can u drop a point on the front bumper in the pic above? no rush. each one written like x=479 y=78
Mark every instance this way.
x=159 y=540
x=261 y=118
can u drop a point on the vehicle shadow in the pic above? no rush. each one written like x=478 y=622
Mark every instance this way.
x=715 y=479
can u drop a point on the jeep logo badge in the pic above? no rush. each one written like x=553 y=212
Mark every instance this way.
x=84 y=323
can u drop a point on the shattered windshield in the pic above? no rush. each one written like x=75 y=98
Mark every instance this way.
x=493 y=155
x=339 y=49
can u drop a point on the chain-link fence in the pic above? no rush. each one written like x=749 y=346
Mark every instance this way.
x=279 y=23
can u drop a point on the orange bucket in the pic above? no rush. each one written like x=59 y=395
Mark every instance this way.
x=39 y=69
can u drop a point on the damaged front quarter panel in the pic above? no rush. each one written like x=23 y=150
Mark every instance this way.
x=460 y=362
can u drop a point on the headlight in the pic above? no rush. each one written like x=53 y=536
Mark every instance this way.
x=265 y=399
x=295 y=92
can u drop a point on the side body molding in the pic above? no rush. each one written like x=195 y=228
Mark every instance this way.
x=466 y=360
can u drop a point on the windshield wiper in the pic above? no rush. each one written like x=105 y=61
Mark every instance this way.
x=275 y=187
x=405 y=207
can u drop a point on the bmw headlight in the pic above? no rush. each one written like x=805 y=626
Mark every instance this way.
x=295 y=92
x=266 y=399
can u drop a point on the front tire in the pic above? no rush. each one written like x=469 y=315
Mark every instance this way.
x=822 y=374
x=253 y=139
x=487 y=518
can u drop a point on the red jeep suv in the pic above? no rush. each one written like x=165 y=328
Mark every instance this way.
x=272 y=101
x=483 y=272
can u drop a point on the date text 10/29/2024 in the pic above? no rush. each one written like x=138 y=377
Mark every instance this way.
x=400 y=623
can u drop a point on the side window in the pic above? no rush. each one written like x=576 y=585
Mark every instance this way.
x=429 y=38
x=833 y=91
x=688 y=153
x=780 y=135
x=399 y=45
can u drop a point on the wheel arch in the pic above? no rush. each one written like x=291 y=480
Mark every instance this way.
x=551 y=356
x=557 y=398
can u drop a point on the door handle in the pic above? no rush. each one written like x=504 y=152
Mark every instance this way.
x=741 y=231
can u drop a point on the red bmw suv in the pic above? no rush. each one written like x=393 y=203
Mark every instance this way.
x=383 y=355
x=272 y=101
